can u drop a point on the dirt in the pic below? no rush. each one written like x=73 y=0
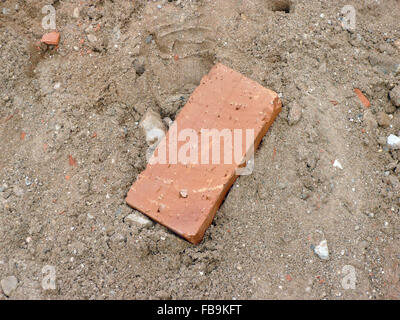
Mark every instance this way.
x=70 y=148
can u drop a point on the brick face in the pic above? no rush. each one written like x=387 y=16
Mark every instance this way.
x=185 y=197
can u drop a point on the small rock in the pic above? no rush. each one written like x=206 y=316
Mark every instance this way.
x=397 y=44
x=395 y=96
x=322 y=250
x=282 y=186
x=118 y=238
x=27 y=181
x=393 y=142
x=167 y=121
x=139 y=66
x=295 y=113
x=369 y=120
x=183 y=194
x=9 y=284
x=92 y=38
x=139 y=220
x=382 y=141
x=337 y=164
x=153 y=127
x=393 y=181
x=385 y=64
x=383 y=119
x=390 y=108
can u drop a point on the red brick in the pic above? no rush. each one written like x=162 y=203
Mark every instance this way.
x=362 y=98
x=186 y=197
x=52 y=38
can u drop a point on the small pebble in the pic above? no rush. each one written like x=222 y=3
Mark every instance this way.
x=395 y=96
x=183 y=194
x=295 y=114
x=383 y=119
x=92 y=38
x=337 y=164
x=393 y=142
x=322 y=250
x=138 y=220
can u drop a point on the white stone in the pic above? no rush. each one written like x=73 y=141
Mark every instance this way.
x=393 y=142
x=153 y=127
x=138 y=220
x=322 y=250
x=337 y=164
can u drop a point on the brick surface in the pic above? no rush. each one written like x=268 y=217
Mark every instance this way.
x=185 y=196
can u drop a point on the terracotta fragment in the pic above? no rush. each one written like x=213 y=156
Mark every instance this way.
x=362 y=98
x=186 y=195
x=52 y=38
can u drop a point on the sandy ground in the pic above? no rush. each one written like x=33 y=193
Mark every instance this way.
x=70 y=148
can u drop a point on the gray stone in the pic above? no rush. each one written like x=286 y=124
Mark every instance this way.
x=295 y=113
x=390 y=108
x=395 y=96
x=9 y=284
x=92 y=38
x=385 y=64
x=369 y=120
x=139 y=220
x=383 y=119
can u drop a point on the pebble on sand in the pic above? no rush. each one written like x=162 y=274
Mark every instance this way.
x=337 y=164
x=295 y=113
x=393 y=142
x=138 y=220
x=395 y=96
x=153 y=127
x=322 y=250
